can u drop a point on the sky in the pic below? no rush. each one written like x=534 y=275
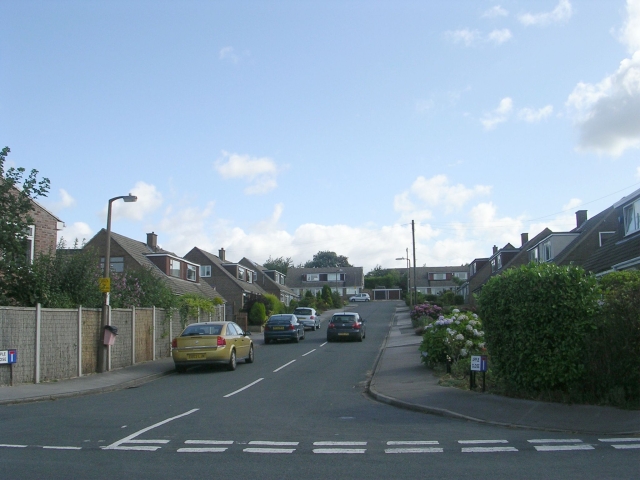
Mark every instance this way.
x=285 y=128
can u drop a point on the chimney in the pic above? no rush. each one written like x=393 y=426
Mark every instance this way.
x=152 y=241
x=581 y=217
x=495 y=249
x=524 y=238
x=221 y=255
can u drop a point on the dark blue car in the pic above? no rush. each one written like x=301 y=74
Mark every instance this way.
x=283 y=327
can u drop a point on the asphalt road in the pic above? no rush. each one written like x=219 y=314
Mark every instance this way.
x=299 y=411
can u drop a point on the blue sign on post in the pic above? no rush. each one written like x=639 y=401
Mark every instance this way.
x=8 y=356
x=479 y=363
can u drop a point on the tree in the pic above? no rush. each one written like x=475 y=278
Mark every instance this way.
x=328 y=259
x=16 y=203
x=280 y=264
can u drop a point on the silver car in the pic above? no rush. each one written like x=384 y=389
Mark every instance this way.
x=308 y=317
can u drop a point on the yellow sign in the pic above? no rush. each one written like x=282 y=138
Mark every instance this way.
x=105 y=285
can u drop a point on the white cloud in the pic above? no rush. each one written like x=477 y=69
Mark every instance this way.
x=182 y=229
x=631 y=31
x=149 y=200
x=532 y=115
x=66 y=201
x=228 y=53
x=486 y=224
x=499 y=36
x=437 y=191
x=499 y=115
x=561 y=222
x=495 y=11
x=561 y=13
x=464 y=36
x=260 y=172
x=79 y=231
x=471 y=38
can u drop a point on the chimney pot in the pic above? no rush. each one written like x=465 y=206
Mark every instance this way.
x=524 y=237
x=495 y=249
x=221 y=255
x=581 y=217
x=152 y=241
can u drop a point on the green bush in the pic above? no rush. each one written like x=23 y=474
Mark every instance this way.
x=538 y=320
x=257 y=314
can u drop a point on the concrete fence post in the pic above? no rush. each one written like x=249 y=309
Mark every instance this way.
x=37 y=353
x=133 y=335
x=80 y=340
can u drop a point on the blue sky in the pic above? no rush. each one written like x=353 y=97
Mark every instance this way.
x=288 y=127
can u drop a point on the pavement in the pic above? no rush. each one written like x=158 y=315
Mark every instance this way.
x=399 y=379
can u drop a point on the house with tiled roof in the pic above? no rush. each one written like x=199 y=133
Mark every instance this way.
x=272 y=281
x=179 y=274
x=236 y=283
x=620 y=248
x=346 y=281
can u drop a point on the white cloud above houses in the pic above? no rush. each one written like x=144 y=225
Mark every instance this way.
x=471 y=38
x=499 y=115
x=79 y=231
x=149 y=200
x=499 y=37
x=260 y=173
x=606 y=113
x=533 y=115
x=560 y=14
x=495 y=12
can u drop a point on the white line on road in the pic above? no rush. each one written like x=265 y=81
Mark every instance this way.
x=618 y=440
x=148 y=441
x=626 y=446
x=488 y=449
x=203 y=450
x=285 y=365
x=274 y=444
x=323 y=344
x=304 y=355
x=269 y=450
x=562 y=448
x=3 y=445
x=46 y=447
x=117 y=445
x=555 y=440
x=344 y=444
x=208 y=442
x=243 y=388
x=418 y=442
x=415 y=450
x=339 y=450
x=473 y=442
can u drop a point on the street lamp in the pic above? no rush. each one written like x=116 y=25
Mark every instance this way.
x=106 y=285
x=408 y=276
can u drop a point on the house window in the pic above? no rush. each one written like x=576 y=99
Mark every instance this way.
x=191 y=272
x=174 y=268
x=30 y=244
x=116 y=264
x=334 y=277
x=631 y=214
x=205 y=270
x=439 y=276
x=533 y=255
x=605 y=235
x=499 y=262
x=241 y=273
x=493 y=265
x=313 y=277
x=460 y=275
x=546 y=251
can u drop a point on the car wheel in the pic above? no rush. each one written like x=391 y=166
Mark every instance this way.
x=266 y=341
x=329 y=340
x=181 y=369
x=360 y=337
x=297 y=338
x=250 y=358
x=231 y=366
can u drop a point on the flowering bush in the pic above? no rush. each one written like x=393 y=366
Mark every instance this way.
x=452 y=338
x=425 y=313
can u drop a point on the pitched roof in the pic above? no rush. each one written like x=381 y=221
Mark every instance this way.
x=584 y=230
x=267 y=278
x=616 y=253
x=354 y=276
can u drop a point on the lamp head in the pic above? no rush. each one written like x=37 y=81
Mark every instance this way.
x=130 y=198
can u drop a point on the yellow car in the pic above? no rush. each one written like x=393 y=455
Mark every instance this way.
x=211 y=342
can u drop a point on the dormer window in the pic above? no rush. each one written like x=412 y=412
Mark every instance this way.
x=205 y=270
x=241 y=272
x=174 y=268
x=191 y=273
x=631 y=214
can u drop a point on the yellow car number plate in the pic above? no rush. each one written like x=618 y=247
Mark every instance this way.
x=278 y=328
x=343 y=334
x=196 y=356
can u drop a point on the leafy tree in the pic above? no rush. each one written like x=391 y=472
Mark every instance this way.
x=257 y=314
x=327 y=259
x=377 y=271
x=280 y=264
x=16 y=195
x=190 y=305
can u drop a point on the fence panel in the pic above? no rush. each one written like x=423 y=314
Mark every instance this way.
x=91 y=335
x=58 y=344
x=121 y=354
x=144 y=334
x=18 y=330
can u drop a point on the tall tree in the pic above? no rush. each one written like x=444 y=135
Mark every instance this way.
x=17 y=193
x=328 y=259
x=280 y=264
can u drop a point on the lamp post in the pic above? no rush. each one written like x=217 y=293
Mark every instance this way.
x=337 y=278
x=408 y=277
x=105 y=285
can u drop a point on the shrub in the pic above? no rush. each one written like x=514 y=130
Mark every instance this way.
x=425 y=313
x=538 y=319
x=257 y=314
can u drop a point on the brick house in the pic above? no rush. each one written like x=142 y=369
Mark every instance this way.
x=271 y=281
x=346 y=281
x=43 y=234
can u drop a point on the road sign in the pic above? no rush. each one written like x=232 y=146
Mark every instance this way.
x=105 y=285
x=8 y=356
x=478 y=363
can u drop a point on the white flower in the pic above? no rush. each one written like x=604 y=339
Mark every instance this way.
x=481 y=345
x=460 y=337
x=455 y=310
x=463 y=352
x=474 y=315
x=457 y=322
x=470 y=328
x=468 y=343
x=462 y=317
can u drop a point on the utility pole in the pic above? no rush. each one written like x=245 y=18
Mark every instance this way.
x=415 y=287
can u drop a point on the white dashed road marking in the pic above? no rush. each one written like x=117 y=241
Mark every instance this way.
x=243 y=388
x=576 y=444
x=485 y=449
x=620 y=443
x=339 y=450
x=414 y=447
x=285 y=365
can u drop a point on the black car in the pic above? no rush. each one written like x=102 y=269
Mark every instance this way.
x=346 y=325
x=283 y=327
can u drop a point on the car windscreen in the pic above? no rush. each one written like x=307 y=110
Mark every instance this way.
x=202 y=330
x=302 y=311
x=343 y=319
x=279 y=321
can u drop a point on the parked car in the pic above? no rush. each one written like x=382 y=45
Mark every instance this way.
x=283 y=326
x=211 y=342
x=308 y=317
x=360 y=297
x=346 y=325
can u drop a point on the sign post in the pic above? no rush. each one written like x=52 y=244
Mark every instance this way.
x=9 y=357
x=478 y=364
